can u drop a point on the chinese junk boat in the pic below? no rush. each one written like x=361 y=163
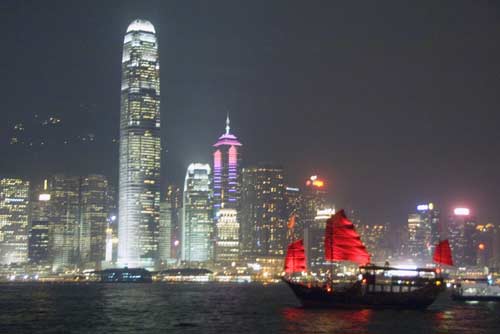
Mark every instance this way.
x=374 y=287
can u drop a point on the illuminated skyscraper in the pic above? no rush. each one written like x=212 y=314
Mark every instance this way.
x=165 y=232
x=461 y=232
x=74 y=210
x=93 y=220
x=294 y=206
x=64 y=221
x=197 y=223
x=487 y=245
x=174 y=198
x=313 y=212
x=108 y=257
x=226 y=181
x=263 y=227
x=170 y=225
x=228 y=231
x=38 y=243
x=139 y=183
x=375 y=239
x=112 y=226
x=313 y=199
x=314 y=239
x=14 y=209
x=423 y=232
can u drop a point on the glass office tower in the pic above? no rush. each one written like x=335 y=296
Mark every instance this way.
x=139 y=179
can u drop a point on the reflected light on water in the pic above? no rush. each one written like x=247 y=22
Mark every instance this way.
x=300 y=320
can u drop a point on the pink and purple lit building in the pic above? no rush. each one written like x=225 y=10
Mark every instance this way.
x=226 y=182
x=226 y=169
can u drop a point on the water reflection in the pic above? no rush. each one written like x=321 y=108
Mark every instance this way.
x=300 y=320
x=456 y=319
x=215 y=308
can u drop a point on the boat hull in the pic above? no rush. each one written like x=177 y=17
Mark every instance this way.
x=355 y=297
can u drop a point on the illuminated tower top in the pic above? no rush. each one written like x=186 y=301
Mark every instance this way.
x=141 y=25
x=226 y=170
x=227 y=138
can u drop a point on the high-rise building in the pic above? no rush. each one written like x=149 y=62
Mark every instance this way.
x=486 y=241
x=76 y=209
x=197 y=222
x=112 y=226
x=93 y=220
x=418 y=236
x=228 y=231
x=314 y=240
x=263 y=227
x=174 y=197
x=294 y=206
x=38 y=242
x=374 y=236
x=170 y=226
x=38 y=238
x=108 y=256
x=313 y=199
x=64 y=221
x=226 y=181
x=461 y=232
x=165 y=232
x=139 y=179
x=423 y=232
x=14 y=213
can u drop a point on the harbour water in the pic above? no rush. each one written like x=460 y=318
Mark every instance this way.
x=215 y=308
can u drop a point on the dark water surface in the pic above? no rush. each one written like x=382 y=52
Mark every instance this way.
x=215 y=308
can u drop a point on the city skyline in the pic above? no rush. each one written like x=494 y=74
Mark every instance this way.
x=308 y=166
x=446 y=131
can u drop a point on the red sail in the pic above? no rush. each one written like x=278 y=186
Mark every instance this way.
x=442 y=253
x=342 y=242
x=295 y=257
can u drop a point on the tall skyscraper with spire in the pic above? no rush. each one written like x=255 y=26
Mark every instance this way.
x=139 y=183
x=226 y=194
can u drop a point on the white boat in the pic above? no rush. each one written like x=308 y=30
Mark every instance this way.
x=476 y=290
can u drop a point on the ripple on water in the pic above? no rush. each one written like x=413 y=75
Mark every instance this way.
x=214 y=308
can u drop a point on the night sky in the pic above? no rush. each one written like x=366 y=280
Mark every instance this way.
x=393 y=102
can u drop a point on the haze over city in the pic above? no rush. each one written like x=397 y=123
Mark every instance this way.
x=393 y=104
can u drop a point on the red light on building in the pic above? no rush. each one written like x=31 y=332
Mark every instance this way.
x=481 y=246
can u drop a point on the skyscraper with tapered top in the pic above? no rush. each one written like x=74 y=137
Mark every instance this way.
x=226 y=191
x=139 y=179
x=197 y=223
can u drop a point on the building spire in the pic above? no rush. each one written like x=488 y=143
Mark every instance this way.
x=227 y=124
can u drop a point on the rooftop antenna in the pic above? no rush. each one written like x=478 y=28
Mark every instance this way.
x=227 y=124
